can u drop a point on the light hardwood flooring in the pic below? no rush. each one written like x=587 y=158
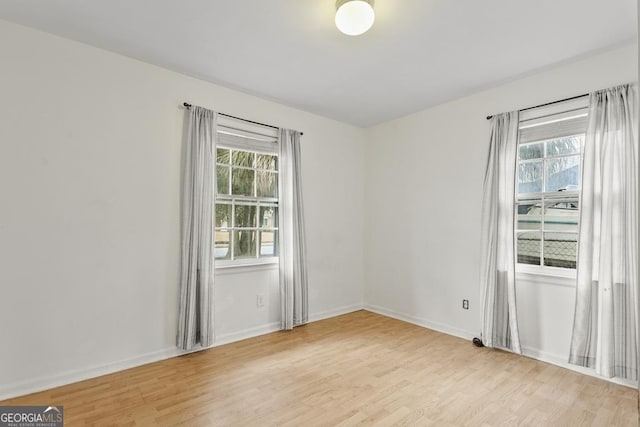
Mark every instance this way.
x=356 y=369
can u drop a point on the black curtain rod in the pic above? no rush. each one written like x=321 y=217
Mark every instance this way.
x=549 y=103
x=187 y=105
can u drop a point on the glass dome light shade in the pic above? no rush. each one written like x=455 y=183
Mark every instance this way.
x=354 y=17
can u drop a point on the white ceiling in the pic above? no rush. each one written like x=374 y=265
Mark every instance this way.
x=419 y=53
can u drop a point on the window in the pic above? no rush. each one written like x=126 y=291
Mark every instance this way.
x=246 y=221
x=547 y=199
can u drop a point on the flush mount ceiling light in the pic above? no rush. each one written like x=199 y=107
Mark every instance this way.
x=354 y=17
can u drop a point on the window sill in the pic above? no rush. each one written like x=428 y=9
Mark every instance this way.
x=233 y=267
x=547 y=275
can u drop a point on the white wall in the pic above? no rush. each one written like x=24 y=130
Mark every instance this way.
x=424 y=190
x=90 y=159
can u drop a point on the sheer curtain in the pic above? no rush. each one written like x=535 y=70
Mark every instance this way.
x=294 y=303
x=499 y=320
x=605 y=322
x=195 y=318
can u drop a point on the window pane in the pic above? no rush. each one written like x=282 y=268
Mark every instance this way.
x=222 y=179
x=223 y=215
x=244 y=244
x=563 y=174
x=221 y=249
x=528 y=247
x=267 y=161
x=242 y=182
x=267 y=184
x=268 y=243
x=269 y=216
x=242 y=158
x=245 y=216
x=530 y=177
x=566 y=145
x=561 y=216
x=560 y=249
x=530 y=215
x=531 y=151
x=223 y=156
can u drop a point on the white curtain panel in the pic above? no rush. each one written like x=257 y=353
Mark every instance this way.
x=294 y=303
x=195 y=319
x=497 y=279
x=605 y=322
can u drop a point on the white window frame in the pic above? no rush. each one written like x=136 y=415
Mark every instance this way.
x=240 y=135
x=551 y=116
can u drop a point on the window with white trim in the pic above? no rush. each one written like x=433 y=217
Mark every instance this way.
x=550 y=144
x=246 y=223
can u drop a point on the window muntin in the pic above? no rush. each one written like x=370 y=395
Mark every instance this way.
x=246 y=223
x=547 y=202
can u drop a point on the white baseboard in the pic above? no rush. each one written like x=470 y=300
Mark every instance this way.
x=425 y=323
x=533 y=353
x=246 y=334
x=314 y=317
x=22 y=388
x=35 y=385
x=8 y=391
x=562 y=361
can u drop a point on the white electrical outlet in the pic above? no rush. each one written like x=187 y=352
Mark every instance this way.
x=259 y=300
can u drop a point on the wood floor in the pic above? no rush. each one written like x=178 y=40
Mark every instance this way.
x=357 y=369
